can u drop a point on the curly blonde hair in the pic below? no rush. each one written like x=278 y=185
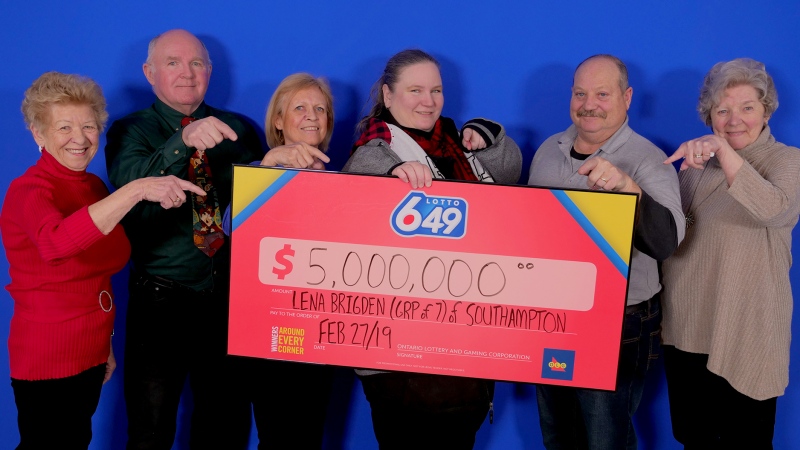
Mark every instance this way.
x=56 y=88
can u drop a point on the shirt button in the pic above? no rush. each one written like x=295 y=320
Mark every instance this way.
x=177 y=151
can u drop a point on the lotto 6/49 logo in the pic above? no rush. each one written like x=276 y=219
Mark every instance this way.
x=421 y=215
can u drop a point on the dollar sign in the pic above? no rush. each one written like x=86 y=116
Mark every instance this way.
x=281 y=258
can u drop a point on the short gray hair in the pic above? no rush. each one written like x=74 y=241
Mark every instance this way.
x=623 y=69
x=151 y=48
x=728 y=74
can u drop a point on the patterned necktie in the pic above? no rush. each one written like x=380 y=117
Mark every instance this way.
x=206 y=216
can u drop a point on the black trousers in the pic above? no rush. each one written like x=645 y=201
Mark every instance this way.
x=289 y=400
x=421 y=411
x=175 y=335
x=707 y=413
x=58 y=413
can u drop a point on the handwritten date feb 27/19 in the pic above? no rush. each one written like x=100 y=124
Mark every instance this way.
x=364 y=334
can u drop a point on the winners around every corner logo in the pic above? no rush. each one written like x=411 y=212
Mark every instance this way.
x=558 y=364
x=419 y=214
x=288 y=340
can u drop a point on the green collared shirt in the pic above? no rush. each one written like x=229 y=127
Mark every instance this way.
x=148 y=143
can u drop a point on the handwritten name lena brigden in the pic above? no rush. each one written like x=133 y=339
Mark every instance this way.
x=470 y=314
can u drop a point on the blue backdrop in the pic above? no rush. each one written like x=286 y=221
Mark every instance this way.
x=506 y=60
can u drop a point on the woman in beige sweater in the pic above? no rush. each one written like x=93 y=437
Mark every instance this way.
x=727 y=298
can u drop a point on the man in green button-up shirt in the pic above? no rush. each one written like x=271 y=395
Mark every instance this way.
x=177 y=313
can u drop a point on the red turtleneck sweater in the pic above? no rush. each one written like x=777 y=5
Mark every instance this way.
x=60 y=266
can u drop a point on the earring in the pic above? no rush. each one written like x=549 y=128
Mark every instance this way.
x=40 y=149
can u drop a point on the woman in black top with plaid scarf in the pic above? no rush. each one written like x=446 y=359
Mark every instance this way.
x=406 y=136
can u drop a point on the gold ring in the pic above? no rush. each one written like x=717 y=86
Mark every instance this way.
x=605 y=180
x=177 y=200
x=698 y=156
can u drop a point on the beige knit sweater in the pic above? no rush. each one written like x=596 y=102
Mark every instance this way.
x=726 y=289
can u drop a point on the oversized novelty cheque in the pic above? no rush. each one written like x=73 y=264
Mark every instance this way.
x=512 y=283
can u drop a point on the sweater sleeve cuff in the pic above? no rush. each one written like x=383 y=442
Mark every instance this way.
x=391 y=169
x=80 y=229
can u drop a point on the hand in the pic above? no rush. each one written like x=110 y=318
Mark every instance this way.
x=602 y=175
x=299 y=156
x=472 y=140
x=205 y=133
x=414 y=173
x=696 y=152
x=111 y=364
x=168 y=191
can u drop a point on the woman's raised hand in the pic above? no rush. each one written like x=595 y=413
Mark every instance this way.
x=472 y=140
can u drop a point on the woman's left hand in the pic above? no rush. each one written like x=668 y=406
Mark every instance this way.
x=697 y=152
x=472 y=140
x=111 y=364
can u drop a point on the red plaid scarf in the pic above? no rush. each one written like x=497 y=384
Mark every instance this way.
x=442 y=144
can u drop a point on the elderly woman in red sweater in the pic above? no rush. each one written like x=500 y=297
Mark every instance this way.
x=60 y=230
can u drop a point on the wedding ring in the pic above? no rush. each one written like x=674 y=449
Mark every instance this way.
x=605 y=180
x=177 y=200
x=698 y=156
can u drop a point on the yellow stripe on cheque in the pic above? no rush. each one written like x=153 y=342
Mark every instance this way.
x=617 y=213
x=249 y=183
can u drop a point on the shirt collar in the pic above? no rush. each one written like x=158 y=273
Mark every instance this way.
x=620 y=137
x=173 y=117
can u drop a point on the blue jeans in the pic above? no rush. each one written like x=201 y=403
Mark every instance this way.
x=573 y=418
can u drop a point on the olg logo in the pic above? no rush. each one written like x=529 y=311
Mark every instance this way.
x=558 y=364
x=421 y=215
